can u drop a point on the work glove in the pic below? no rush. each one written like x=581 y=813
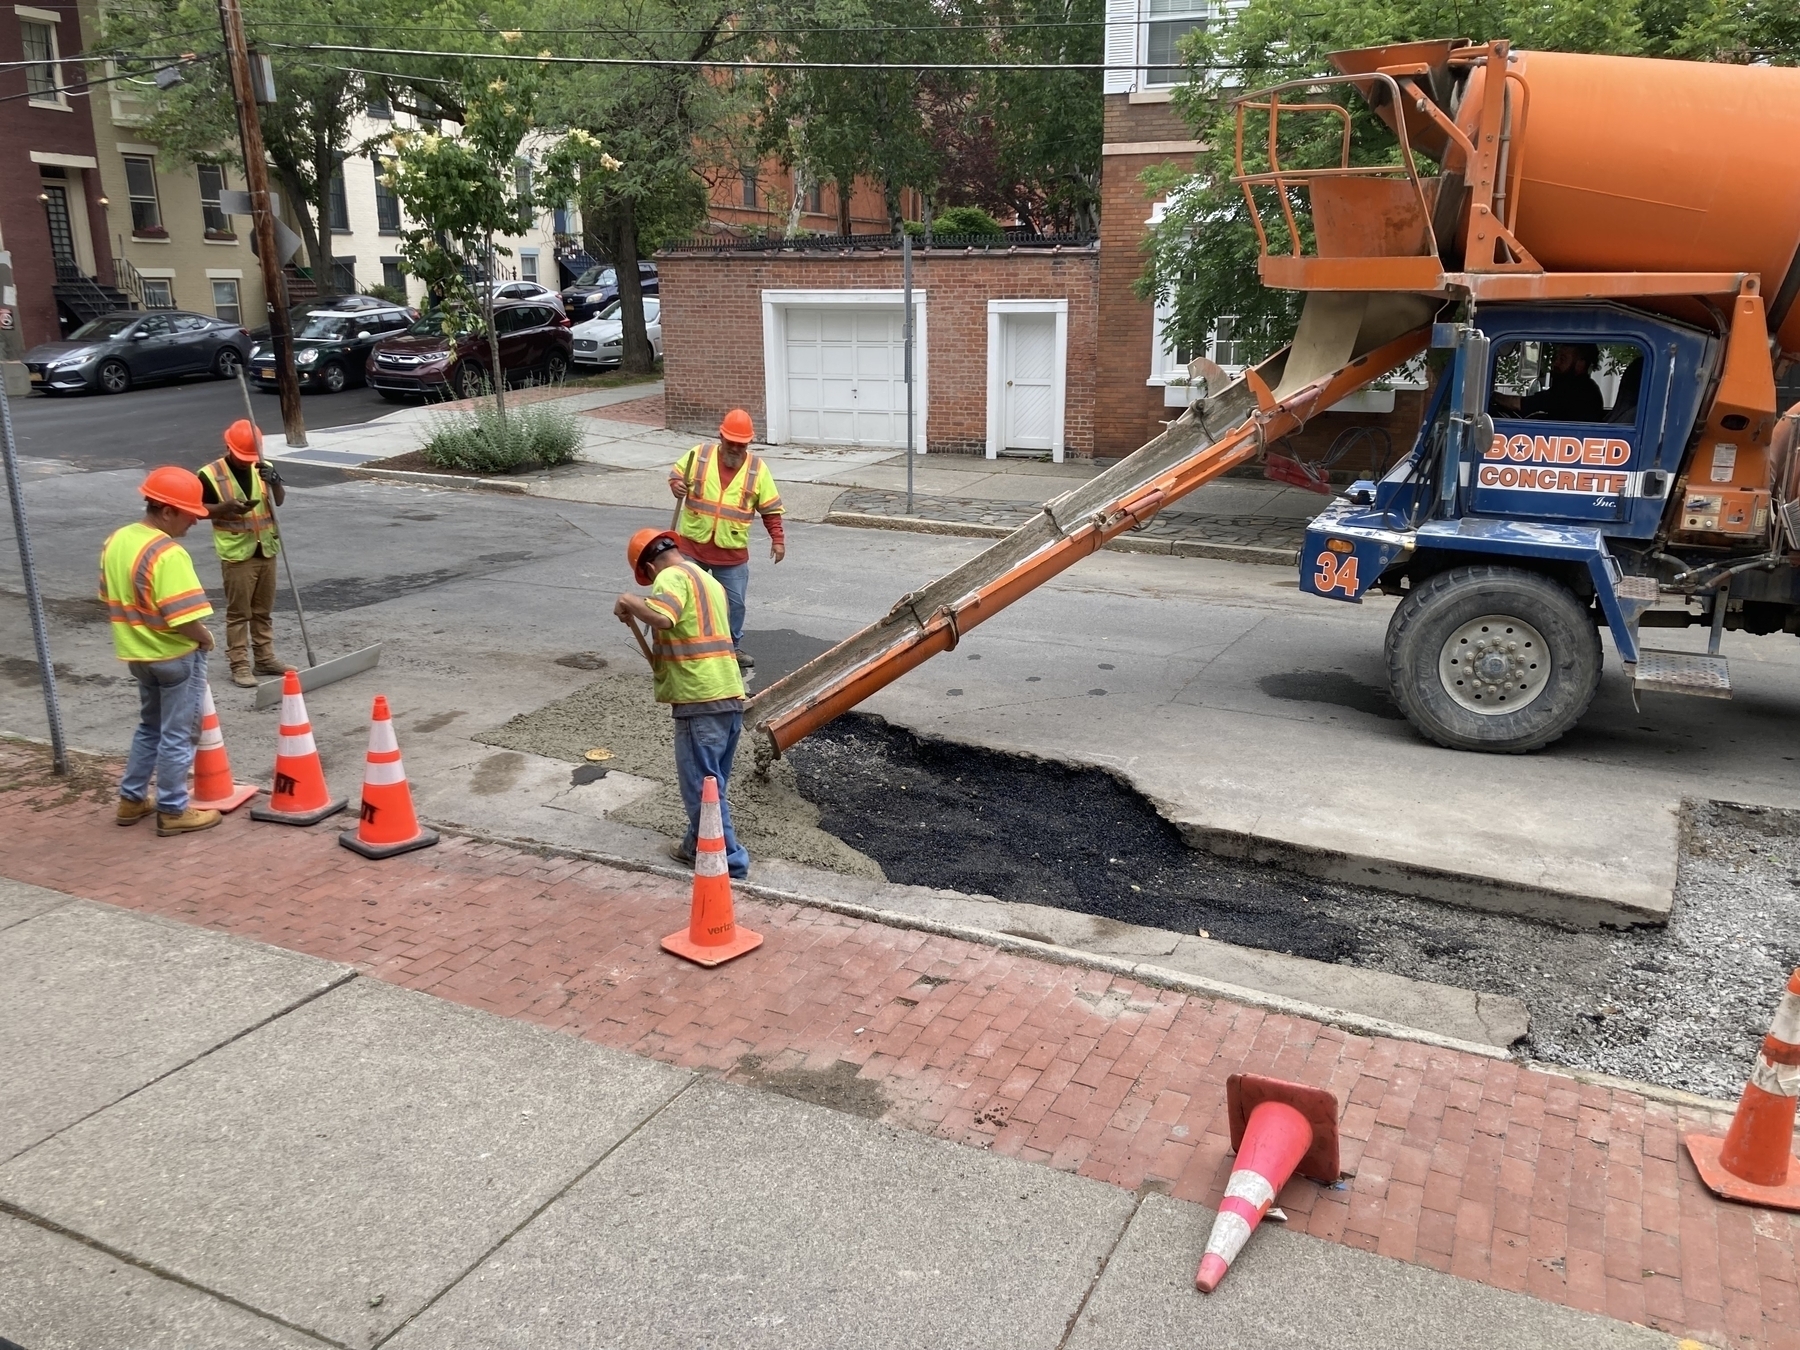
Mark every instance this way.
x=269 y=475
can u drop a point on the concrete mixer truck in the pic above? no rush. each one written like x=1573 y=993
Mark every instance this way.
x=1597 y=259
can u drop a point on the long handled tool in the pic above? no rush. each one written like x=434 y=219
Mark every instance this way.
x=638 y=633
x=268 y=693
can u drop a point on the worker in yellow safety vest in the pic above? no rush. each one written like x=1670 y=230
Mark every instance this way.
x=722 y=486
x=696 y=672
x=156 y=605
x=237 y=488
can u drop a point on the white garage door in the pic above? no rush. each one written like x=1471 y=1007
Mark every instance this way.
x=846 y=376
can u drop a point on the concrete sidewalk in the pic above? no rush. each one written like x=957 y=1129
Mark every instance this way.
x=208 y=1142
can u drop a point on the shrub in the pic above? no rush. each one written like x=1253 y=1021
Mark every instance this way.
x=967 y=221
x=537 y=435
x=394 y=295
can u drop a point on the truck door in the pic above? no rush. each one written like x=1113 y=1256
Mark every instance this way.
x=1568 y=430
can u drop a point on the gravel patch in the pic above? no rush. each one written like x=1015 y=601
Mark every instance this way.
x=1684 y=1006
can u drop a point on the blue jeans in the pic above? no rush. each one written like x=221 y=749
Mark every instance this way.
x=736 y=581
x=168 y=729
x=704 y=747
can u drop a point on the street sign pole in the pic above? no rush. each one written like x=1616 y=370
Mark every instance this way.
x=256 y=178
x=34 y=601
x=906 y=329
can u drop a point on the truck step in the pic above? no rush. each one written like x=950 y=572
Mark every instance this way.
x=1641 y=589
x=1682 y=673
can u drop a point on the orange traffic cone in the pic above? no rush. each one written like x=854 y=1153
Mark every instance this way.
x=214 y=789
x=387 y=825
x=1754 y=1161
x=300 y=796
x=1277 y=1129
x=712 y=936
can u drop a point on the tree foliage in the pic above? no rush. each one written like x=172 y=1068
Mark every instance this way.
x=1202 y=256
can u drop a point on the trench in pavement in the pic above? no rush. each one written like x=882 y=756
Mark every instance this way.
x=1682 y=1006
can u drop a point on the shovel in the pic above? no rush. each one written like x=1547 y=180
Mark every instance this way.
x=316 y=673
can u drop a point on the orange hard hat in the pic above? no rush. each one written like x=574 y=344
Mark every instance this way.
x=177 y=487
x=641 y=550
x=243 y=440
x=738 y=427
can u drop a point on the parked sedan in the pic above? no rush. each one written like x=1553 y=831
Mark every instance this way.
x=601 y=341
x=115 y=351
x=598 y=287
x=529 y=290
x=331 y=349
x=423 y=363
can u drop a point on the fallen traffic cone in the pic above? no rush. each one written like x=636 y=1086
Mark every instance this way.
x=214 y=789
x=1754 y=1161
x=387 y=825
x=1277 y=1129
x=300 y=796
x=712 y=936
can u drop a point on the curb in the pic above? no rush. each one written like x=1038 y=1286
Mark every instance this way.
x=457 y=481
x=1180 y=548
x=1160 y=977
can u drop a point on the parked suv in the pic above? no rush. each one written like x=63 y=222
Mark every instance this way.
x=598 y=287
x=331 y=348
x=422 y=363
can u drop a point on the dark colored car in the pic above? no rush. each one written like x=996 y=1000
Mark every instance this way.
x=115 y=351
x=423 y=363
x=598 y=287
x=331 y=348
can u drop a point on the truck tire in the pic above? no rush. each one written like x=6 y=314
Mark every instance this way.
x=1492 y=658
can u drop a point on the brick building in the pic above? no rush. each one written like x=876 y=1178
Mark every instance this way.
x=810 y=342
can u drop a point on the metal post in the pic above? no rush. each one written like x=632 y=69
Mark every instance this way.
x=256 y=178
x=906 y=329
x=59 y=755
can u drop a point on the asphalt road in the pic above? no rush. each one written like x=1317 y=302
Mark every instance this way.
x=176 y=423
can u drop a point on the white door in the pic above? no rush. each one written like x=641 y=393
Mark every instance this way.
x=846 y=376
x=1028 y=364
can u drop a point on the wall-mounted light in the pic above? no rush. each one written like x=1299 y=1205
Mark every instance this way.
x=43 y=196
x=104 y=202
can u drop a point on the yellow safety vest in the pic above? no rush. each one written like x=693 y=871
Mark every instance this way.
x=711 y=514
x=149 y=585
x=239 y=538
x=695 y=660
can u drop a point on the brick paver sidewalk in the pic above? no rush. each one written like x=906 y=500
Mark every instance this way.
x=1510 y=1176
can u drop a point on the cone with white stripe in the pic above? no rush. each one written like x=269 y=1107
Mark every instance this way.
x=1277 y=1129
x=387 y=824
x=214 y=788
x=1754 y=1162
x=712 y=936
x=300 y=796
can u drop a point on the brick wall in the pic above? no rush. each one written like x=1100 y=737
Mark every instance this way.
x=713 y=339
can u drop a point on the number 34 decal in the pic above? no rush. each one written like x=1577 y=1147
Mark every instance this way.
x=1337 y=572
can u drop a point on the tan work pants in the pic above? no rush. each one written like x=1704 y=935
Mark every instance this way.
x=249 y=603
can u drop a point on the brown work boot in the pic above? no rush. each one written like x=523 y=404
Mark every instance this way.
x=268 y=665
x=187 y=822
x=130 y=812
x=243 y=679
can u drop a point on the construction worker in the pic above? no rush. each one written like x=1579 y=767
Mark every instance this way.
x=696 y=672
x=156 y=605
x=237 y=487
x=720 y=486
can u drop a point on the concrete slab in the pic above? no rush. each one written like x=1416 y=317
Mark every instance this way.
x=99 y=1001
x=1287 y=1291
x=740 y=1218
x=342 y=1165
x=18 y=901
x=64 y=1295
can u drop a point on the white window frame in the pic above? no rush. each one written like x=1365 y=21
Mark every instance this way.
x=51 y=22
x=531 y=255
x=163 y=276
x=131 y=198
x=1200 y=11
x=996 y=370
x=237 y=298
x=775 y=305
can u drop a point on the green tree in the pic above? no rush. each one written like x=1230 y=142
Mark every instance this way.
x=1047 y=123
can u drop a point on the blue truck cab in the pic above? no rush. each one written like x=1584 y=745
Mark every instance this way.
x=1560 y=483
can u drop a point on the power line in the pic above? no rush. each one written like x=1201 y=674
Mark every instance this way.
x=594 y=31
x=679 y=62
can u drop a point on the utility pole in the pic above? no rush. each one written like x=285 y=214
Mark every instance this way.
x=906 y=332
x=256 y=178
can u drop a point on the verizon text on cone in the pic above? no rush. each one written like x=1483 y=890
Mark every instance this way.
x=712 y=936
x=300 y=796
x=387 y=823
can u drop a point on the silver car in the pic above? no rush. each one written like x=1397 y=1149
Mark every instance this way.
x=601 y=340
x=115 y=351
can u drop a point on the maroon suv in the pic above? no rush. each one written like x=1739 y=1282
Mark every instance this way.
x=422 y=363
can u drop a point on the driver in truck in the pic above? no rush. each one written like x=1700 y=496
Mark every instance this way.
x=1572 y=396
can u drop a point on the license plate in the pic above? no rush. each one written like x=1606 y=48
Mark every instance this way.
x=265 y=372
x=37 y=377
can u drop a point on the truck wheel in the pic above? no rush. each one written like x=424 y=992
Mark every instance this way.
x=1492 y=658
